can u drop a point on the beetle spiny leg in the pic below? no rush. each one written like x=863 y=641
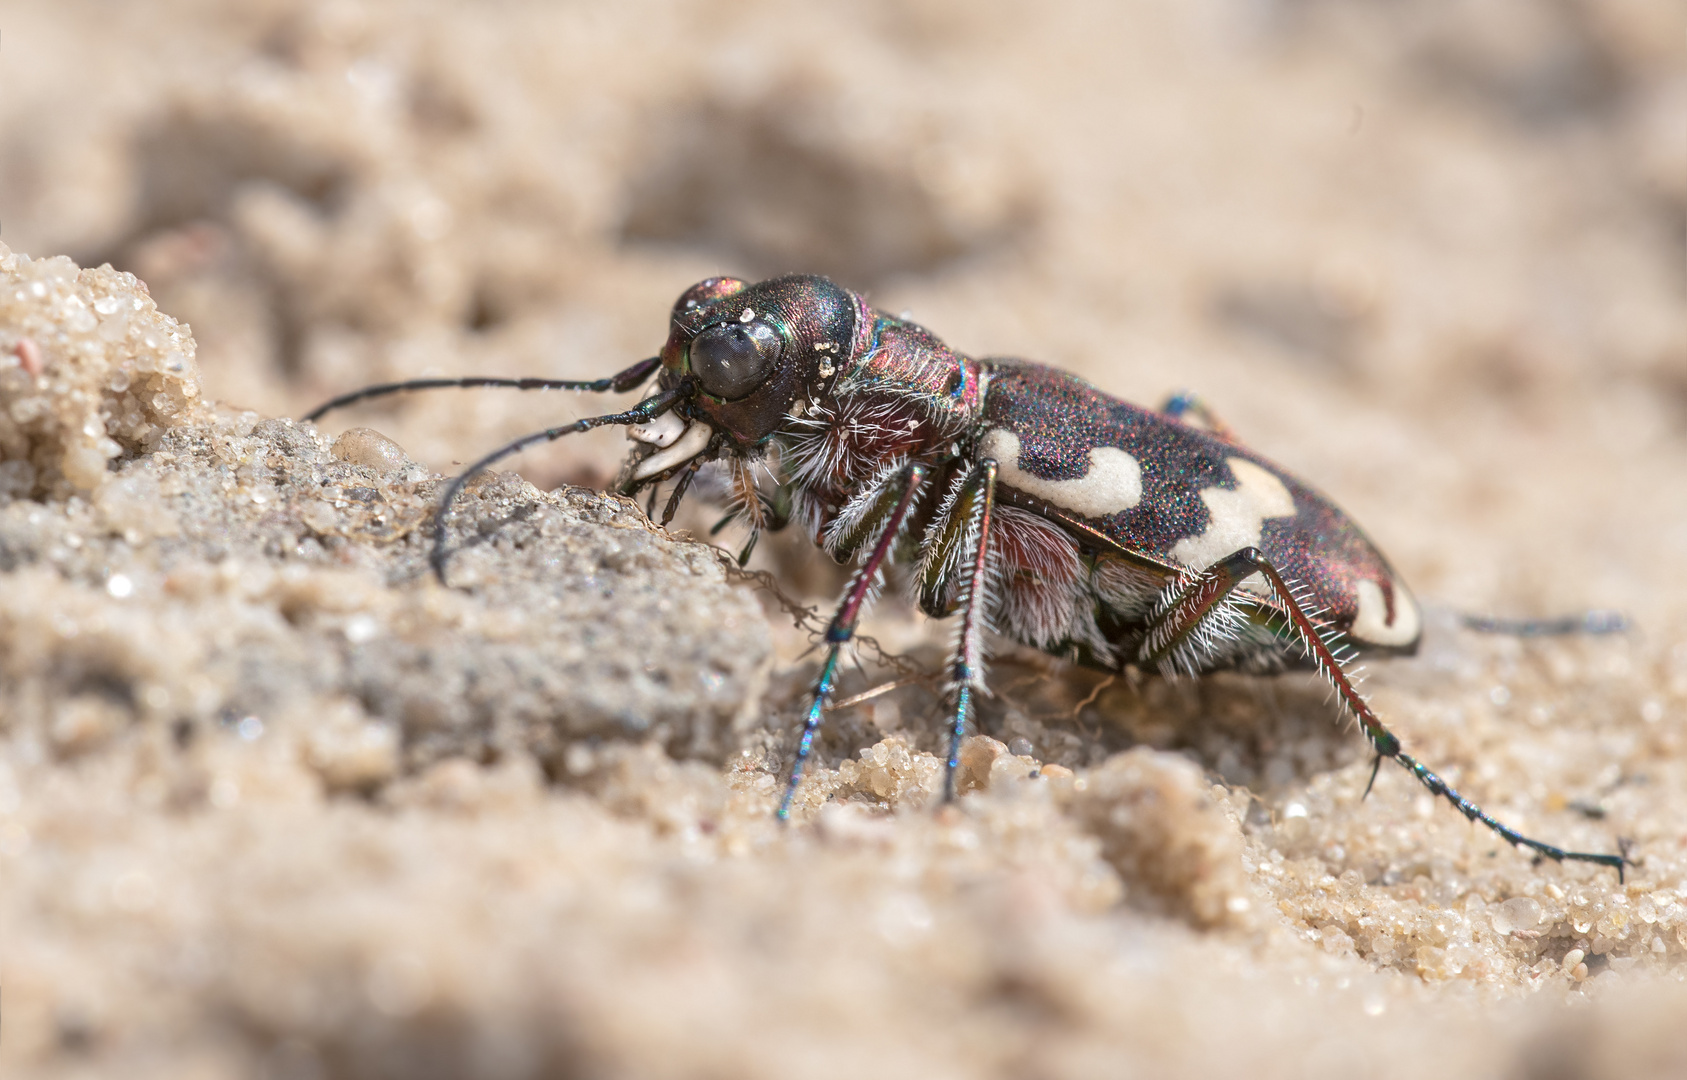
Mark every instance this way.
x=842 y=627
x=968 y=668
x=680 y=487
x=1185 y=612
x=1387 y=744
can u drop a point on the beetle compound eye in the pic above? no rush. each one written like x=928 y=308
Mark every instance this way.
x=733 y=359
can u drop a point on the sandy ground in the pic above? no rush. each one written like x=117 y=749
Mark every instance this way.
x=273 y=803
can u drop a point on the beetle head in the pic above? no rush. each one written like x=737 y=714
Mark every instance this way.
x=754 y=349
x=749 y=352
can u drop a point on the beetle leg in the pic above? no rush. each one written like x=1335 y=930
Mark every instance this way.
x=1187 y=404
x=1190 y=612
x=1222 y=578
x=905 y=490
x=941 y=548
x=977 y=501
x=688 y=474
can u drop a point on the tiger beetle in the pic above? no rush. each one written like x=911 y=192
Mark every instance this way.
x=1018 y=495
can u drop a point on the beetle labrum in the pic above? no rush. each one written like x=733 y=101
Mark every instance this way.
x=1017 y=495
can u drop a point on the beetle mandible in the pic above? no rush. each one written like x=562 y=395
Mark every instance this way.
x=1019 y=496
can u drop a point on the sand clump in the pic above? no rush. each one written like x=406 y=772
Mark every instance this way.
x=198 y=581
x=89 y=369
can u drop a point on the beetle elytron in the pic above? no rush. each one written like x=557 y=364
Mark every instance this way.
x=1018 y=495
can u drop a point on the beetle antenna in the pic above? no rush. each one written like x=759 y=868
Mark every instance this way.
x=642 y=413
x=617 y=383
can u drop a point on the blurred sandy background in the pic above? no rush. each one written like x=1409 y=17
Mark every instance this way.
x=1429 y=256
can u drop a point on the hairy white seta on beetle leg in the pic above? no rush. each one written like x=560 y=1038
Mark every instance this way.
x=746 y=501
x=936 y=562
x=1210 y=638
x=1341 y=650
x=967 y=640
x=856 y=511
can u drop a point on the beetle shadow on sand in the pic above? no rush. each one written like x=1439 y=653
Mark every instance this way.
x=1255 y=732
x=487 y=531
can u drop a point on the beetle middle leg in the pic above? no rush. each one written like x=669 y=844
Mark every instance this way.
x=1202 y=599
x=888 y=511
x=975 y=508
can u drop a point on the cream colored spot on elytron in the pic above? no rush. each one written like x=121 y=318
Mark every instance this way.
x=1113 y=483
x=690 y=444
x=1238 y=515
x=1371 y=625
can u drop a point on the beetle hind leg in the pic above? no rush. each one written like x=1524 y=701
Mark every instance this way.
x=1387 y=744
x=1196 y=603
x=1198 y=617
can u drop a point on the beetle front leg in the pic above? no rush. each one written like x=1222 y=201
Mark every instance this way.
x=904 y=490
x=1198 y=601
